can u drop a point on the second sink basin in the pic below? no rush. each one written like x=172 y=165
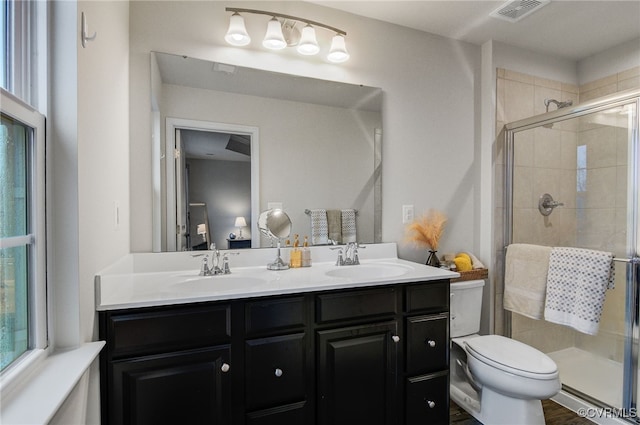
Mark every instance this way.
x=369 y=271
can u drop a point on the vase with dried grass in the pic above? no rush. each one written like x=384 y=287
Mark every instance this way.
x=426 y=231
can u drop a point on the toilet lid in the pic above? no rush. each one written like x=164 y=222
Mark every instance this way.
x=510 y=355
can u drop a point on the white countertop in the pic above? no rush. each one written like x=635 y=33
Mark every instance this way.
x=144 y=280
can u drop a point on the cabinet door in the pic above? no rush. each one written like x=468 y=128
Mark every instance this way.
x=190 y=387
x=357 y=375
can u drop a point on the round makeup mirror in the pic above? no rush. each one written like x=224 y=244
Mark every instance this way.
x=276 y=225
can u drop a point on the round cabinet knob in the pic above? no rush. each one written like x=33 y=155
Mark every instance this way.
x=431 y=343
x=395 y=338
x=431 y=404
x=225 y=367
x=278 y=372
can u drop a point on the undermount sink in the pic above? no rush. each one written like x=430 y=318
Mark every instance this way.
x=217 y=283
x=369 y=271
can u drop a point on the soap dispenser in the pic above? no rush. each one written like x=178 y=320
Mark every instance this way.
x=296 y=255
x=306 y=253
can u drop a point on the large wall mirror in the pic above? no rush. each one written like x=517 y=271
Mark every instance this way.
x=236 y=141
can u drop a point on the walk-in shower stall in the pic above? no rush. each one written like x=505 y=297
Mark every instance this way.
x=572 y=179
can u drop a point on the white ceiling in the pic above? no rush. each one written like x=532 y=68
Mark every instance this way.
x=563 y=28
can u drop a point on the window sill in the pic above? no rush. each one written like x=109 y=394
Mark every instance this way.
x=38 y=399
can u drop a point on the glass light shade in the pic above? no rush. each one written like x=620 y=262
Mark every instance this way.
x=274 y=39
x=338 y=52
x=237 y=33
x=308 y=44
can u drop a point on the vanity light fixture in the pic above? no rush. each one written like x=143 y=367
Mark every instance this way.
x=282 y=32
x=237 y=34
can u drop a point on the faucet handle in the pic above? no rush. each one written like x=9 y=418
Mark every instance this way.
x=225 y=262
x=205 y=270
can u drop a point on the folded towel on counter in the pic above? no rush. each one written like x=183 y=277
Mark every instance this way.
x=334 y=219
x=477 y=264
x=349 y=226
x=525 y=279
x=319 y=227
x=576 y=285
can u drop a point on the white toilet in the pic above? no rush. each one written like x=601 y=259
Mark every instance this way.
x=497 y=380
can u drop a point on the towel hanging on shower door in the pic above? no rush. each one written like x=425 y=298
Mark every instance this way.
x=577 y=282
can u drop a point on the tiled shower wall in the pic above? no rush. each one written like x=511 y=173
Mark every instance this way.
x=546 y=162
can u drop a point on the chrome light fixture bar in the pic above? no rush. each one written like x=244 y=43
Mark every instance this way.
x=275 y=39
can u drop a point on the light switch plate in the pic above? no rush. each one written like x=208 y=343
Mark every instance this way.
x=407 y=214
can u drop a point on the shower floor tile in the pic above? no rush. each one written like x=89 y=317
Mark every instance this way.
x=590 y=374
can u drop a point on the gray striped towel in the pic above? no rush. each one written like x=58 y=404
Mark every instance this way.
x=576 y=285
x=349 y=226
x=319 y=227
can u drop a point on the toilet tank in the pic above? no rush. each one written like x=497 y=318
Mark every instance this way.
x=465 y=307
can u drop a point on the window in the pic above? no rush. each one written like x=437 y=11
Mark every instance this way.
x=23 y=311
x=22 y=277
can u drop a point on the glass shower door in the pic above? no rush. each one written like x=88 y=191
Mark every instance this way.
x=587 y=163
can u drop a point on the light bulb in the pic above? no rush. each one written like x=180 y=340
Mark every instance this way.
x=338 y=52
x=237 y=33
x=274 y=39
x=308 y=44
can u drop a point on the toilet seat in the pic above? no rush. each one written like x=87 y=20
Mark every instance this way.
x=512 y=356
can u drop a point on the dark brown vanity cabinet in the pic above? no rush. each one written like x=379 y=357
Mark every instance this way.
x=166 y=365
x=358 y=346
x=427 y=354
x=376 y=355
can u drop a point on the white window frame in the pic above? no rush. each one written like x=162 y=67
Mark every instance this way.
x=25 y=100
x=37 y=305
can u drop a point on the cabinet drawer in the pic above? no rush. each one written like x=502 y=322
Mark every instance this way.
x=427 y=343
x=430 y=297
x=355 y=304
x=275 y=371
x=169 y=329
x=427 y=400
x=293 y=414
x=275 y=315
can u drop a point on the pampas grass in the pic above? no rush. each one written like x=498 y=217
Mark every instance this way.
x=426 y=230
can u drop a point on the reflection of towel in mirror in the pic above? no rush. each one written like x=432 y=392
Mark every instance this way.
x=525 y=279
x=334 y=218
x=349 y=226
x=319 y=227
x=576 y=285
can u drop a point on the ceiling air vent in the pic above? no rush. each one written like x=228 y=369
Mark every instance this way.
x=513 y=11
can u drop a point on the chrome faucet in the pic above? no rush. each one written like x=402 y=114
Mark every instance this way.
x=349 y=256
x=216 y=268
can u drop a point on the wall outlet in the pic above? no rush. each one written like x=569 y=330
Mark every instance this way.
x=407 y=214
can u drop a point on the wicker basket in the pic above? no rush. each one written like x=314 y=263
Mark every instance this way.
x=472 y=275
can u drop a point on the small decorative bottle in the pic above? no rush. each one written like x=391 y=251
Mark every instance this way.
x=296 y=255
x=306 y=253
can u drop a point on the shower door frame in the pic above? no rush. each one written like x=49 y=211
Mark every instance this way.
x=632 y=307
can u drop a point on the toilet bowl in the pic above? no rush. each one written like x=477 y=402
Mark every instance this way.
x=496 y=379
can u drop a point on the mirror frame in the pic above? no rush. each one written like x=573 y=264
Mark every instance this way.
x=170 y=168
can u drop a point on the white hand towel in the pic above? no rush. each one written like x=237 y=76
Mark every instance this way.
x=576 y=287
x=319 y=227
x=349 y=226
x=525 y=279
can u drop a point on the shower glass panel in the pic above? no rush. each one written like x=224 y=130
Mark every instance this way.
x=587 y=162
